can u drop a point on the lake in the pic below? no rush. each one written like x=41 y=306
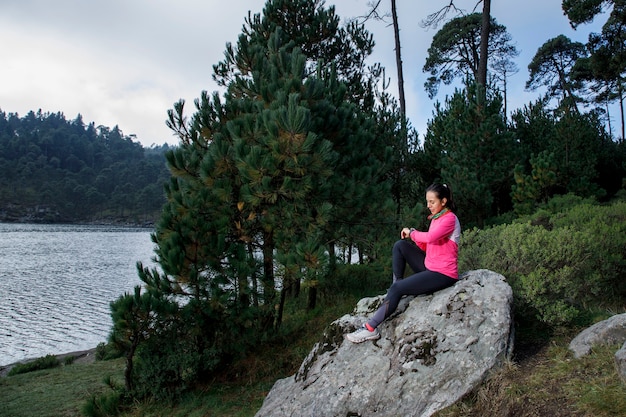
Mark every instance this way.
x=56 y=283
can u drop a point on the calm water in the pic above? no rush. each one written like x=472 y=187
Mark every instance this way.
x=56 y=283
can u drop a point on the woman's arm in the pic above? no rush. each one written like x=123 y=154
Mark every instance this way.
x=439 y=229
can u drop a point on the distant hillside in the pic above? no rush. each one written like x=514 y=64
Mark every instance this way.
x=56 y=170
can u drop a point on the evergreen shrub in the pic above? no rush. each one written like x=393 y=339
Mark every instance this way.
x=165 y=367
x=107 y=404
x=565 y=258
x=107 y=351
x=103 y=405
x=45 y=362
x=182 y=351
x=358 y=279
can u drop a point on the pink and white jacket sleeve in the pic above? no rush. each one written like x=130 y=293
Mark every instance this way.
x=441 y=244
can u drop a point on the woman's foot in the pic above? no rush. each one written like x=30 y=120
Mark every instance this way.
x=363 y=334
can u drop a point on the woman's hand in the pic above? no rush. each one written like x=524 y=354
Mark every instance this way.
x=406 y=232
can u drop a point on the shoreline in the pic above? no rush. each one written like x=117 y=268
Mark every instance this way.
x=80 y=356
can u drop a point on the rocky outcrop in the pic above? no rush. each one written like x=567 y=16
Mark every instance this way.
x=432 y=352
x=611 y=331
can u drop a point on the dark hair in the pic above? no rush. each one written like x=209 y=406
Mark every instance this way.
x=443 y=191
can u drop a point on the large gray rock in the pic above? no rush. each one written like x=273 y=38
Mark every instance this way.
x=611 y=331
x=436 y=349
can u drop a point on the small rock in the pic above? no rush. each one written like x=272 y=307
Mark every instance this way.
x=608 y=332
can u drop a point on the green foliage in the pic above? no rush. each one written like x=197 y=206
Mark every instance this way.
x=167 y=366
x=109 y=403
x=460 y=138
x=530 y=190
x=54 y=170
x=103 y=405
x=566 y=154
x=358 y=280
x=455 y=50
x=603 y=70
x=558 y=262
x=45 y=362
x=583 y=11
x=552 y=66
x=107 y=351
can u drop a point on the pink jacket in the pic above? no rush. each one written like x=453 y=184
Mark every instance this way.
x=441 y=244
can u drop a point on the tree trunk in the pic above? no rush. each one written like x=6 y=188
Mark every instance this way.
x=506 y=114
x=401 y=98
x=484 y=44
x=396 y=34
x=295 y=287
x=332 y=256
x=255 y=284
x=269 y=289
x=608 y=118
x=281 y=306
x=312 y=300
x=621 y=106
x=243 y=290
x=128 y=371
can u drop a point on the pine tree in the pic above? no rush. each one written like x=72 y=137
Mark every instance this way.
x=331 y=53
x=562 y=153
x=474 y=152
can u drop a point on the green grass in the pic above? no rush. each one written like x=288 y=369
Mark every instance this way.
x=56 y=392
x=222 y=401
x=45 y=362
x=551 y=383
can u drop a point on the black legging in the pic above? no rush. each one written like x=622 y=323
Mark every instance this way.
x=422 y=281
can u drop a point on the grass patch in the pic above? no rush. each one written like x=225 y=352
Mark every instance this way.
x=597 y=385
x=55 y=392
x=234 y=400
x=551 y=382
x=45 y=362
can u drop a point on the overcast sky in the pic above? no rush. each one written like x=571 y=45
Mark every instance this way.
x=125 y=62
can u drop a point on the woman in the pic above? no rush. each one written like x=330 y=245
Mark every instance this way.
x=433 y=259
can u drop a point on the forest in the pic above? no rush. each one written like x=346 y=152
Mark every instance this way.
x=57 y=170
x=286 y=192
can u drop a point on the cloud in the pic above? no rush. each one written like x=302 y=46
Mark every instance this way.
x=125 y=63
x=117 y=62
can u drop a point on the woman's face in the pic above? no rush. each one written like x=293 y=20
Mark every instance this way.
x=435 y=205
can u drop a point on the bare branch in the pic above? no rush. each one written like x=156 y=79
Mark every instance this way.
x=373 y=13
x=476 y=6
x=434 y=19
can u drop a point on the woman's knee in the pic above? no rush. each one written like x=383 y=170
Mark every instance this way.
x=394 y=290
x=400 y=246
